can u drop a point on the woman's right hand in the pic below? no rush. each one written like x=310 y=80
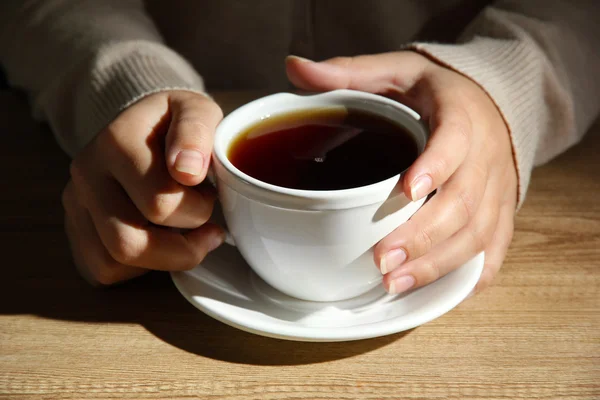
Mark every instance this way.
x=138 y=178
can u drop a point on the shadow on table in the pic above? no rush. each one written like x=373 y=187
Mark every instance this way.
x=50 y=289
x=46 y=285
x=40 y=279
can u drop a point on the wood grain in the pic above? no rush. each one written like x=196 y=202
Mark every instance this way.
x=534 y=335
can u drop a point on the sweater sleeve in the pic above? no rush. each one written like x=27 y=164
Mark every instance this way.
x=539 y=62
x=83 y=61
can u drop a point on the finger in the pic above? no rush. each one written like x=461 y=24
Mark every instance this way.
x=92 y=260
x=370 y=73
x=496 y=250
x=449 y=143
x=139 y=166
x=163 y=201
x=194 y=119
x=130 y=240
x=453 y=252
x=453 y=207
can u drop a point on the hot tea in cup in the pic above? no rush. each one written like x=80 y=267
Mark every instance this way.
x=323 y=149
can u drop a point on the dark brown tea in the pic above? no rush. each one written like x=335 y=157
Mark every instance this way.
x=323 y=149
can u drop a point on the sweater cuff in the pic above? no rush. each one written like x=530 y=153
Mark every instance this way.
x=117 y=76
x=508 y=71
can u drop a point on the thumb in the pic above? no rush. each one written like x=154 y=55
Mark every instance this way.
x=190 y=136
x=369 y=73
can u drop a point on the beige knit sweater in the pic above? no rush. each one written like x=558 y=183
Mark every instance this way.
x=83 y=61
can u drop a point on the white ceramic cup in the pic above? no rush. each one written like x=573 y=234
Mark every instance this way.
x=313 y=245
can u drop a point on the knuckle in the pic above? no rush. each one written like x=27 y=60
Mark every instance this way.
x=202 y=215
x=195 y=131
x=103 y=272
x=191 y=259
x=195 y=253
x=440 y=167
x=482 y=231
x=160 y=208
x=193 y=122
x=107 y=274
x=467 y=203
x=425 y=240
x=125 y=247
x=478 y=237
x=430 y=271
x=480 y=170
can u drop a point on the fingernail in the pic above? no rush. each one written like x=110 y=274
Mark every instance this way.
x=216 y=241
x=420 y=187
x=189 y=162
x=298 y=58
x=392 y=259
x=401 y=284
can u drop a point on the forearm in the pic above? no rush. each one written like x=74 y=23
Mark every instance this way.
x=82 y=62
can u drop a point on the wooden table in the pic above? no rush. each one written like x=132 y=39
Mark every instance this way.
x=534 y=335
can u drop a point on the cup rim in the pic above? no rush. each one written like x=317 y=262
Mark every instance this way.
x=301 y=198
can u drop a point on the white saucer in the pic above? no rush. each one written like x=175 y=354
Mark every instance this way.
x=225 y=288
